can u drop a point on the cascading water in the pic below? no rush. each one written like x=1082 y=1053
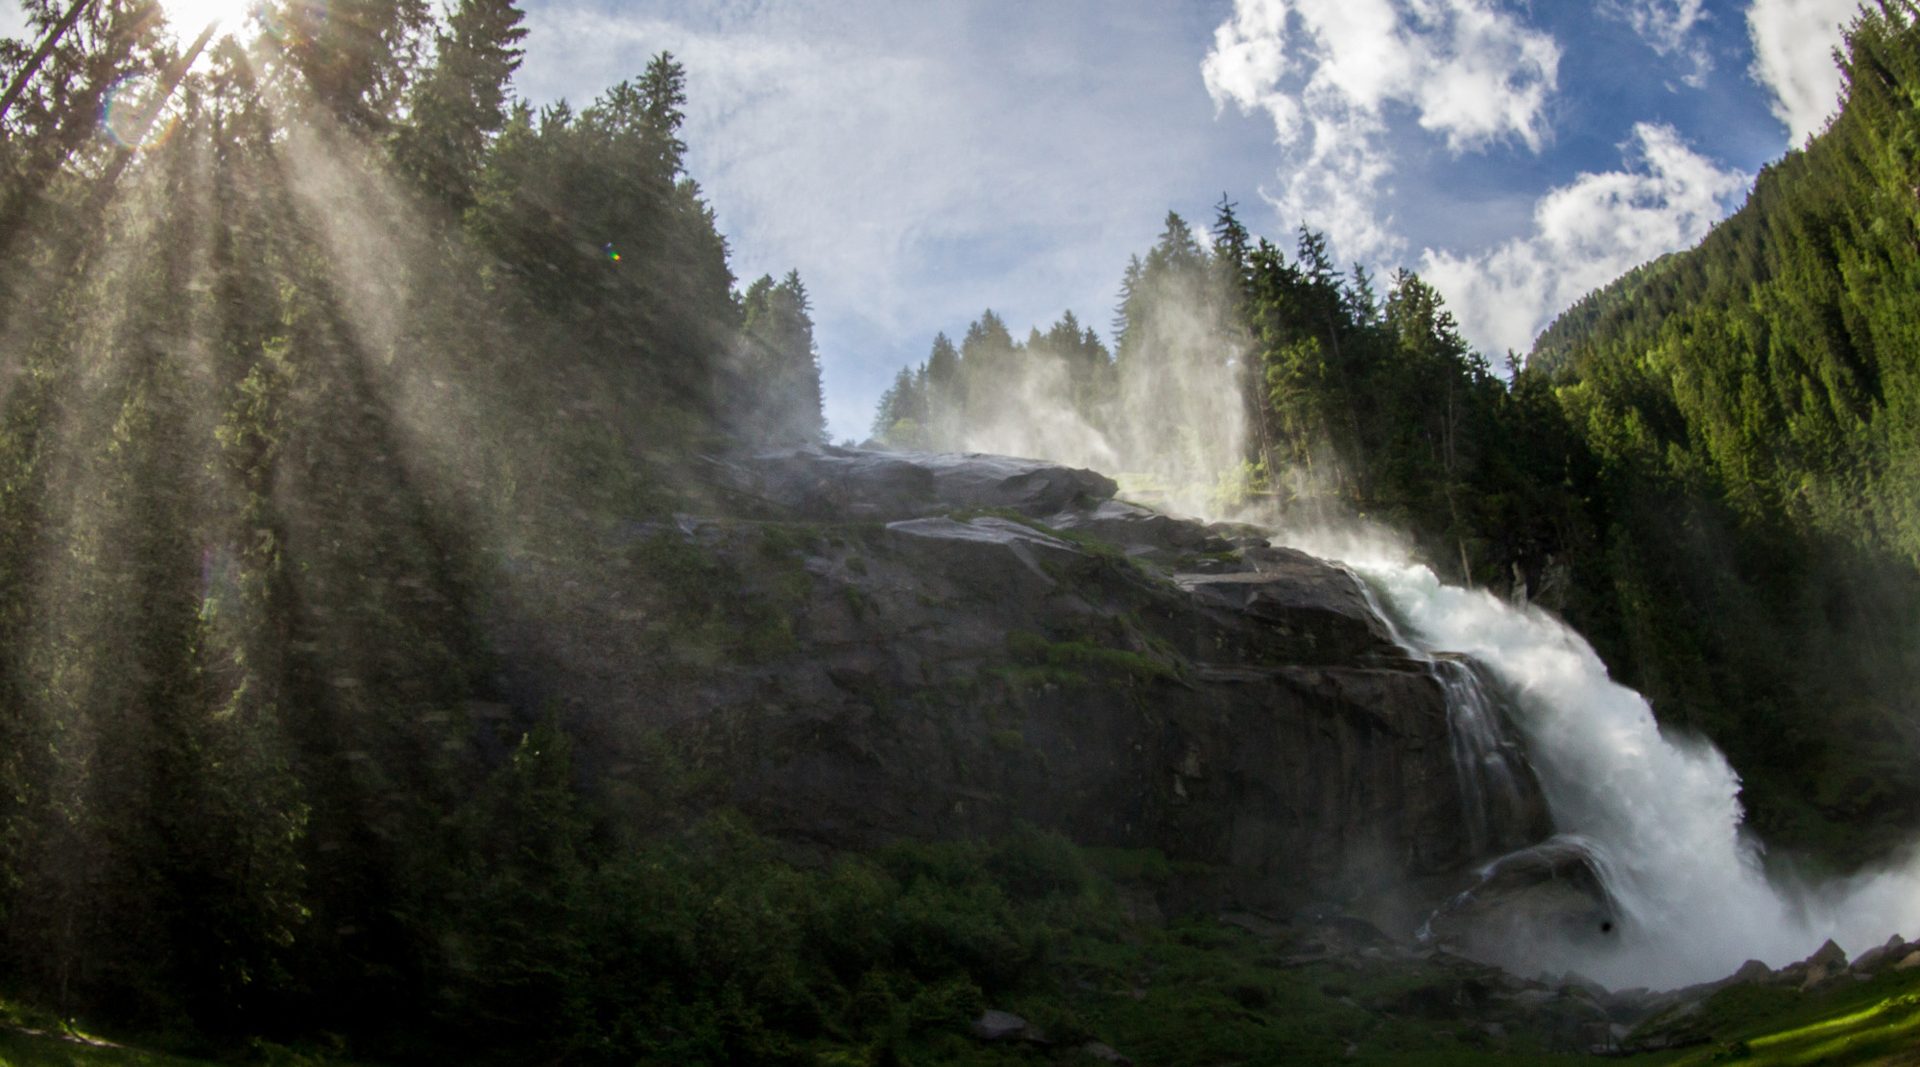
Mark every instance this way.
x=1659 y=815
x=1491 y=765
x=1496 y=786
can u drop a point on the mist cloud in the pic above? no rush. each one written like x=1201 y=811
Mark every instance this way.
x=916 y=163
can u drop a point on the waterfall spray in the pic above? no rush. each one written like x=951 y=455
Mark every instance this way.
x=1657 y=816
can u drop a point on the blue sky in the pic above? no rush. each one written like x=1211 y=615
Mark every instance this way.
x=920 y=162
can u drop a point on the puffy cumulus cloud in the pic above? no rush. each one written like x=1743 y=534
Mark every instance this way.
x=1327 y=71
x=1585 y=234
x=1793 y=43
x=1667 y=27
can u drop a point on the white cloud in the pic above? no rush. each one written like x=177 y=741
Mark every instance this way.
x=1793 y=43
x=1663 y=24
x=1586 y=233
x=1667 y=27
x=1328 y=73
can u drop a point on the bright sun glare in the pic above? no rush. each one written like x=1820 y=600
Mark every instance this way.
x=189 y=17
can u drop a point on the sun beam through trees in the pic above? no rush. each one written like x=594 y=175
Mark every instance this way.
x=316 y=384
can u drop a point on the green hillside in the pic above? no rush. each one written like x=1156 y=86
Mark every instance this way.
x=1752 y=410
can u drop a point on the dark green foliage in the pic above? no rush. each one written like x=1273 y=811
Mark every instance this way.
x=1754 y=415
x=705 y=947
x=358 y=57
x=1384 y=410
x=286 y=447
x=462 y=100
x=594 y=229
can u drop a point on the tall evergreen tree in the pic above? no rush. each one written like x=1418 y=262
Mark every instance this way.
x=358 y=57
x=781 y=365
x=462 y=100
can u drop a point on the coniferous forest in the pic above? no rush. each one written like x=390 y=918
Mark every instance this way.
x=356 y=415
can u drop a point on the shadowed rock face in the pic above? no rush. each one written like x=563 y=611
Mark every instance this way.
x=960 y=643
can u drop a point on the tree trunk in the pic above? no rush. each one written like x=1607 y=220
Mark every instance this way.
x=26 y=73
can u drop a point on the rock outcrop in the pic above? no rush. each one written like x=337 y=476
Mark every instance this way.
x=939 y=646
x=1549 y=894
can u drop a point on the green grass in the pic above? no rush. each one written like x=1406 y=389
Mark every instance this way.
x=20 y=1048
x=30 y=1038
x=1876 y=1022
x=1070 y=663
x=1031 y=924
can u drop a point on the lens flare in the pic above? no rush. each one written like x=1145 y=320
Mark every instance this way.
x=134 y=115
x=293 y=21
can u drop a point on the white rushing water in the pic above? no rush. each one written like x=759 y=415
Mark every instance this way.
x=1663 y=811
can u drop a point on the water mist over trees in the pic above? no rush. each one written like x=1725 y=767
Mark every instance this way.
x=311 y=401
x=1243 y=378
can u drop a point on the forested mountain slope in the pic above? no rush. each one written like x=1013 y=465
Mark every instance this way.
x=1752 y=407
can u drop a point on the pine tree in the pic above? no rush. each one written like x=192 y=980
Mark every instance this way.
x=781 y=368
x=359 y=57
x=462 y=100
x=663 y=88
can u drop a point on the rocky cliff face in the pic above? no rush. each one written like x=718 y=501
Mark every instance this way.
x=940 y=646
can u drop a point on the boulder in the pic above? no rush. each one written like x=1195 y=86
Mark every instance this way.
x=1752 y=972
x=1551 y=894
x=1876 y=959
x=995 y=1025
x=1828 y=961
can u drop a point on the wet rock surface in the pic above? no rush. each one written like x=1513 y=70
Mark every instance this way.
x=933 y=646
x=1553 y=890
x=897 y=646
x=850 y=485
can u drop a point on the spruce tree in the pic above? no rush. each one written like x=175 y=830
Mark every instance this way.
x=462 y=100
x=780 y=367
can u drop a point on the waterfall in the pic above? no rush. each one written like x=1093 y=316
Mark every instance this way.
x=1492 y=766
x=1659 y=814
x=1496 y=785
